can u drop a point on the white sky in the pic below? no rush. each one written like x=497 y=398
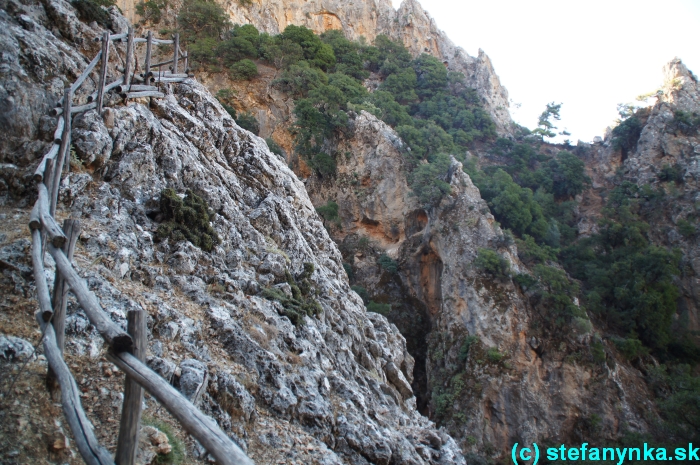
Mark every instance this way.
x=589 y=55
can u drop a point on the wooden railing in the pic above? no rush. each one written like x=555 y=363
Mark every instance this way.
x=126 y=349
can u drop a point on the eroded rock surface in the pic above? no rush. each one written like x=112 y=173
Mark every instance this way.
x=284 y=392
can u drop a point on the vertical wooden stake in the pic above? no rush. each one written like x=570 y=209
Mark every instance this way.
x=176 y=56
x=129 y=57
x=147 y=64
x=128 y=442
x=62 y=151
x=103 y=72
x=71 y=228
x=187 y=60
x=48 y=180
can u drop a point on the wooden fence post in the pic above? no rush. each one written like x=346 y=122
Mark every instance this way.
x=147 y=64
x=103 y=72
x=187 y=60
x=176 y=55
x=65 y=148
x=71 y=228
x=127 y=445
x=129 y=57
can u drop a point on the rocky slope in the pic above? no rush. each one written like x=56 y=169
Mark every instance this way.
x=369 y=18
x=334 y=389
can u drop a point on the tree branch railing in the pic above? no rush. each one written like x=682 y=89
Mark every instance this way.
x=127 y=349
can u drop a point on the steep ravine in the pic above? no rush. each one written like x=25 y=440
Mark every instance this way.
x=333 y=389
x=540 y=387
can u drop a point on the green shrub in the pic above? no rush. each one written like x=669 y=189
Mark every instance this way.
x=230 y=110
x=686 y=228
x=598 y=351
x=679 y=391
x=568 y=175
x=243 y=70
x=200 y=19
x=428 y=183
x=531 y=253
x=626 y=135
x=466 y=345
x=686 y=122
x=388 y=263
x=300 y=78
x=630 y=347
x=627 y=280
x=349 y=271
x=494 y=355
x=556 y=293
x=442 y=403
x=187 y=219
x=376 y=307
x=329 y=212
x=671 y=174
x=324 y=164
x=152 y=10
x=248 y=122
x=582 y=325
x=492 y=263
x=302 y=302
x=362 y=292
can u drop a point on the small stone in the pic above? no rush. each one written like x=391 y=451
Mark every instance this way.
x=59 y=442
x=108 y=116
x=123 y=269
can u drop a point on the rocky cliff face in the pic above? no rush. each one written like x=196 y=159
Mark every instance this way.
x=664 y=142
x=369 y=18
x=334 y=389
x=517 y=381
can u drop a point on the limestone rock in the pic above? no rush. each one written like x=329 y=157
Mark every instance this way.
x=193 y=379
x=14 y=348
x=152 y=442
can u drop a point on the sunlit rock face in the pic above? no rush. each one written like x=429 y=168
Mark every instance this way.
x=664 y=142
x=539 y=389
x=367 y=19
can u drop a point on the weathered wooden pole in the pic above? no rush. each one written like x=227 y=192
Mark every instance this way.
x=103 y=72
x=187 y=60
x=129 y=57
x=147 y=64
x=176 y=55
x=83 y=430
x=127 y=445
x=71 y=229
x=62 y=151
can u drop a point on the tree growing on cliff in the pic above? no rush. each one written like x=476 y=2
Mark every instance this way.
x=199 y=19
x=545 y=127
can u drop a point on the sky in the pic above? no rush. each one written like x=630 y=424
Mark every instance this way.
x=588 y=55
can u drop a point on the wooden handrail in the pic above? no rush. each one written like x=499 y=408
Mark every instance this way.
x=203 y=428
x=50 y=155
x=47 y=222
x=48 y=173
x=86 y=73
x=85 y=439
x=115 y=337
